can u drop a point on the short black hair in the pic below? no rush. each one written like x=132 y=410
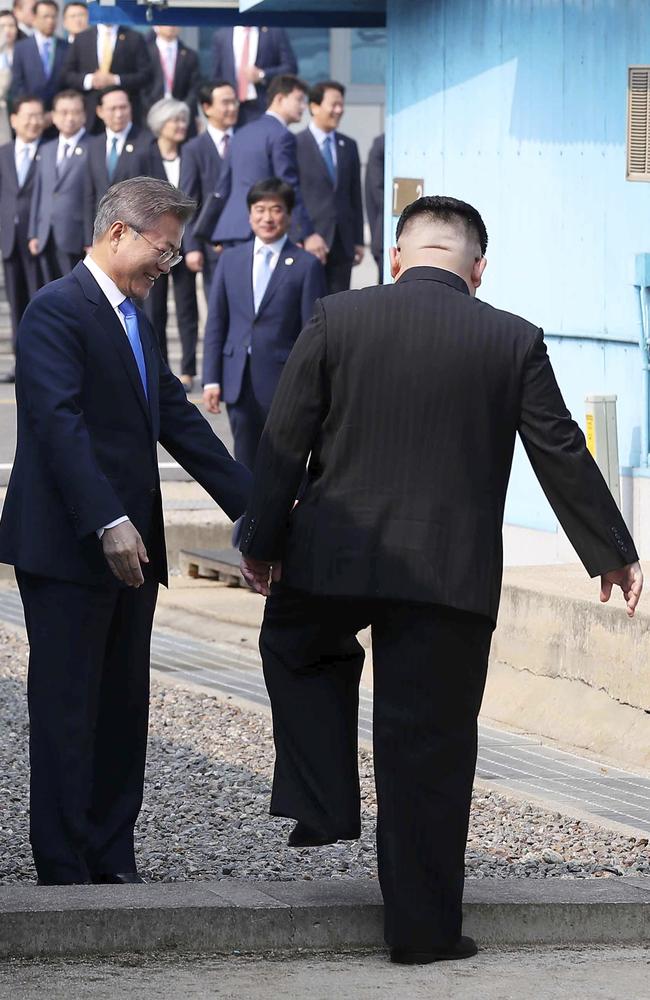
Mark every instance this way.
x=9 y=13
x=66 y=95
x=208 y=87
x=114 y=89
x=75 y=3
x=272 y=187
x=18 y=102
x=285 y=84
x=444 y=209
x=317 y=92
x=45 y=3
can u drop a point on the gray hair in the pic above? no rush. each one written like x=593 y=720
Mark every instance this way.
x=163 y=110
x=140 y=202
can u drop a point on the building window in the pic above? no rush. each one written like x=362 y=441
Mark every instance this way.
x=368 y=56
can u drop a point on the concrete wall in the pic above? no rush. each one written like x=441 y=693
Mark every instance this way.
x=520 y=108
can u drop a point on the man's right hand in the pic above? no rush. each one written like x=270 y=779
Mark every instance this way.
x=124 y=551
x=194 y=261
x=629 y=579
x=316 y=244
x=212 y=400
x=33 y=246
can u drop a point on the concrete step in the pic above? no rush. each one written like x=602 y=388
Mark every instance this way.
x=296 y=917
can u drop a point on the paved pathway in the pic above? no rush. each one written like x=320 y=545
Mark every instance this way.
x=513 y=761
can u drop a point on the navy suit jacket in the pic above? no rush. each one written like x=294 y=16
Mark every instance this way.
x=274 y=56
x=57 y=207
x=28 y=75
x=87 y=437
x=14 y=201
x=133 y=162
x=201 y=168
x=332 y=206
x=232 y=325
x=265 y=148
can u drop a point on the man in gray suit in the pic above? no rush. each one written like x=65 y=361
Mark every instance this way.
x=56 y=217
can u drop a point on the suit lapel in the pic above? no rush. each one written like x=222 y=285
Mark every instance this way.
x=282 y=268
x=38 y=62
x=128 y=151
x=318 y=156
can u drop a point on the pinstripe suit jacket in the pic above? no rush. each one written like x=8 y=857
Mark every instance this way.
x=406 y=501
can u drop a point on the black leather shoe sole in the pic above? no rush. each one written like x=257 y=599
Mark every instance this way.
x=119 y=878
x=303 y=836
x=465 y=948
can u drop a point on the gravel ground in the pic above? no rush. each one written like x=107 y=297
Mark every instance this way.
x=205 y=814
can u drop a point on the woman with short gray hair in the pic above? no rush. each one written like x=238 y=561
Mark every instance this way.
x=168 y=120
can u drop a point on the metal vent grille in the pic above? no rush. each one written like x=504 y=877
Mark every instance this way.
x=638 y=123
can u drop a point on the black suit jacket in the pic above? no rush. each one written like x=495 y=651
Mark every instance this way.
x=15 y=201
x=274 y=55
x=131 y=62
x=133 y=162
x=201 y=168
x=375 y=195
x=407 y=501
x=87 y=437
x=332 y=207
x=187 y=79
x=28 y=75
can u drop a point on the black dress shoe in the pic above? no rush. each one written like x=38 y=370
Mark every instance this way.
x=119 y=878
x=466 y=947
x=304 y=836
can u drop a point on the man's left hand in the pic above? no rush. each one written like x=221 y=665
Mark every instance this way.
x=259 y=574
x=358 y=254
x=316 y=244
x=253 y=74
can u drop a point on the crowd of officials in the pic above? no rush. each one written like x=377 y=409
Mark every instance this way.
x=106 y=103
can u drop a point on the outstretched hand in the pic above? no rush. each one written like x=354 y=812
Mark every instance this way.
x=629 y=579
x=259 y=574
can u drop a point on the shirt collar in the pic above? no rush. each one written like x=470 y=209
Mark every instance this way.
x=121 y=136
x=272 y=114
x=41 y=39
x=107 y=29
x=216 y=134
x=73 y=140
x=319 y=135
x=276 y=247
x=162 y=43
x=107 y=285
x=31 y=146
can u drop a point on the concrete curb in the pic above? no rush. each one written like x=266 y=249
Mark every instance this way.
x=261 y=917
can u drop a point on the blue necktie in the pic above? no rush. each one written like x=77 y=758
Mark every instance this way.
x=328 y=156
x=263 y=277
x=112 y=158
x=45 y=57
x=23 y=166
x=133 y=333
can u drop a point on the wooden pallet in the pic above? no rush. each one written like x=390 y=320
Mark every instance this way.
x=212 y=564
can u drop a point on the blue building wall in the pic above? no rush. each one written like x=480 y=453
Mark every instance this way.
x=519 y=106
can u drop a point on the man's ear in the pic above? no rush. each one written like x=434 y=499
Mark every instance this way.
x=477 y=271
x=395 y=261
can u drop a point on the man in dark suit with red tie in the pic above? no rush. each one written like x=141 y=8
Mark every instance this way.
x=18 y=162
x=176 y=72
x=330 y=180
x=249 y=58
x=399 y=527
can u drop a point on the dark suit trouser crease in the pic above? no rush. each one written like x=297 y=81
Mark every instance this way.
x=429 y=669
x=187 y=313
x=338 y=269
x=88 y=696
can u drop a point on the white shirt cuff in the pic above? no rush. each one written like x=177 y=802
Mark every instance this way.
x=212 y=385
x=88 y=81
x=113 y=524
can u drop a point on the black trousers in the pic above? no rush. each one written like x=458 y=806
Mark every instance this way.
x=247 y=418
x=22 y=281
x=338 y=269
x=429 y=665
x=187 y=313
x=210 y=261
x=88 y=696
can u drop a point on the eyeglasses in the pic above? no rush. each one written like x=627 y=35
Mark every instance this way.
x=171 y=257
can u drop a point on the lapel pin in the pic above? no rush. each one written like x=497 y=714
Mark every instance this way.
x=265 y=29
x=289 y=261
x=37 y=157
x=78 y=151
x=129 y=148
x=341 y=143
x=121 y=37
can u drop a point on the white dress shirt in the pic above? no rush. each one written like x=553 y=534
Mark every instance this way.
x=19 y=146
x=40 y=42
x=173 y=170
x=322 y=137
x=216 y=134
x=238 y=48
x=258 y=247
x=115 y=298
x=121 y=139
x=102 y=29
x=71 y=143
x=168 y=56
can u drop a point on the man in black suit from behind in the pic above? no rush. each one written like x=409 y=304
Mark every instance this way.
x=108 y=55
x=399 y=527
x=176 y=73
x=83 y=526
x=121 y=152
x=330 y=179
x=18 y=162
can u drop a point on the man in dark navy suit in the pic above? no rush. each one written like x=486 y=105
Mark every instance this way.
x=38 y=61
x=375 y=201
x=201 y=165
x=82 y=525
x=266 y=148
x=56 y=216
x=330 y=181
x=18 y=160
x=108 y=55
x=123 y=151
x=175 y=72
x=249 y=58
x=262 y=295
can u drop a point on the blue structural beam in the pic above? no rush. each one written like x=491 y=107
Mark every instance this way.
x=305 y=14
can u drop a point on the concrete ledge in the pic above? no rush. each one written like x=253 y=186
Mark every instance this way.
x=255 y=917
